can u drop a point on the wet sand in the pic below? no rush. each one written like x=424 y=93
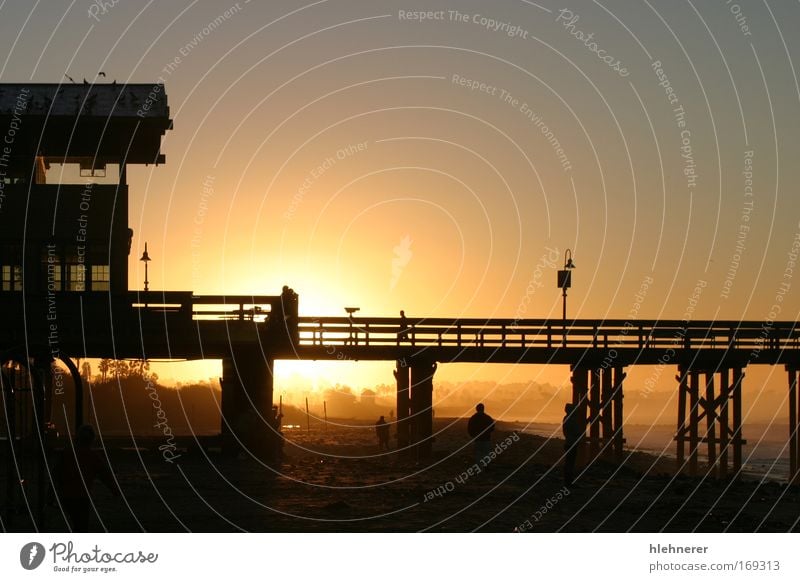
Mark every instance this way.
x=335 y=480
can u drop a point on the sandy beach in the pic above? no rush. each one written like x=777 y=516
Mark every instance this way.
x=334 y=479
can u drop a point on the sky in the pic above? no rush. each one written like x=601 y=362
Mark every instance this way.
x=441 y=157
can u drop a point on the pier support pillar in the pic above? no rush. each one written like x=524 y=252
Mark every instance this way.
x=613 y=407
x=248 y=423
x=598 y=394
x=594 y=413
x=422 y=408
x=580 y=398
x=710 y=412
x=736 y=428
x=402 y=375
x=722 y=434
x=794 y=426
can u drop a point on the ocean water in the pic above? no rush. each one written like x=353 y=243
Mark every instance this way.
x=766 y=454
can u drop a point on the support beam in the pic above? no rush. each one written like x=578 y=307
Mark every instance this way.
x=606 y=410
x=694 y=420
x=422 y=408
x=680 y=435
x=724 y=429
x=594 y=414
x=794 y=428
x=247 y=419
x=711 y=416
x=619 y=440
x=738 y=441
x=580 y=390
x=401 y=374
x=720 y=434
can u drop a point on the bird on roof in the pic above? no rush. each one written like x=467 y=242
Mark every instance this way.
x=68 y=77
x=101 y=74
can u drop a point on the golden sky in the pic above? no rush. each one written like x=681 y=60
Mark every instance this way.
x=442 y=163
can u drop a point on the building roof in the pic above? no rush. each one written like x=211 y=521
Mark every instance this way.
x=96 y=124
x=146 y=100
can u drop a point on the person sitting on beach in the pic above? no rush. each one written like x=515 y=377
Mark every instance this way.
x=480 y=427
x=77 y=469
x=382 y=431
x=573 y=430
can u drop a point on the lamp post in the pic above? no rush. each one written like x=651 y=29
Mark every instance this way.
x=564 y=283
x=145 y=259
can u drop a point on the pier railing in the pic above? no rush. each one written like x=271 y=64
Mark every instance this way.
x=541 y=333
x=206 y=307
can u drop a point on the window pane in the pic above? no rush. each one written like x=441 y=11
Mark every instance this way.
x=11 y=278
x=101 y=277
x=76 y=277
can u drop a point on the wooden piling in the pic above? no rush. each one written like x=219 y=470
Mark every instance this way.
x=606 y=411
x=594 y=414
x=738 y=377
x=619 y=377
x=724 y=430
x=711 y=415
x=694 y=421
x=680 y=435
x=793 y=426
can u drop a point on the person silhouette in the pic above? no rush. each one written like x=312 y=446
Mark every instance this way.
x=403 y=333
x=480 y=427
x=76 y=472
x=573 y=430
x=276 y=434
x=382 y=432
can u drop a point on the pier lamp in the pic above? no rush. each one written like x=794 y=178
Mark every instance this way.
x=145 y=259
x=353 y=337
x=564 y=283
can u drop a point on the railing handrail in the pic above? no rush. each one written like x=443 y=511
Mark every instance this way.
x=512 y=333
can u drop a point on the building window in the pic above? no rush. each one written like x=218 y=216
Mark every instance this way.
x=11 y=277
x=51 y=268
x=54 y=277
x=76 y=277
x=101 y=278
